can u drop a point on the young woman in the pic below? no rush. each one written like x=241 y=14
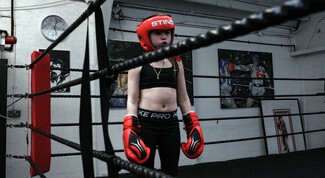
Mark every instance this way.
x=155 y=91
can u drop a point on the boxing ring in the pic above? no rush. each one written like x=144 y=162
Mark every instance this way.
x=40 y=96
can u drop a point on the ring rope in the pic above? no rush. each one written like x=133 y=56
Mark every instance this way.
x=203 y=76
x=37 y=169
x=70 y=69
x=203 y=96
x=206 y=143
x=261 y=137
x=21 y=125
x=198 y=76
x=274 y=78
x=26 y=95
x=238 y=41
x=224 y=141
x=17 y=66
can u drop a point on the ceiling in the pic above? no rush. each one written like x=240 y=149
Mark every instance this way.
x=245 y=5
x=223 y=9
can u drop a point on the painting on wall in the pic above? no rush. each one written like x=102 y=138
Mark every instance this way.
x=119 y=51
x=60 y=62
x=283 y=125
x=245 y=77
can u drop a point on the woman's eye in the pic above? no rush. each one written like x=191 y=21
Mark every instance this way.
x=162 y=32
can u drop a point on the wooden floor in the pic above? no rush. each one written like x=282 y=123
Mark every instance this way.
x=302 y=164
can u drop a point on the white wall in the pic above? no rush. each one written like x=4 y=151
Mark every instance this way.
x=204 y=63
x=313 y=66
x=309 y=59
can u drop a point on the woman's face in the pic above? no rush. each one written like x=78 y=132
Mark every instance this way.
x=160 y=38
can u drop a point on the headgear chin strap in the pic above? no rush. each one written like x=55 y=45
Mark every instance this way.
x=155 y=22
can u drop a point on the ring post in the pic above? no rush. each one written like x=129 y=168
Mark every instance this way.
x=3 y=111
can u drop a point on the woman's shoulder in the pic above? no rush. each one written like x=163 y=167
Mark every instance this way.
x=136 y=69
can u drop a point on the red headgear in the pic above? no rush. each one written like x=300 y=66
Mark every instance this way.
x=155 y=22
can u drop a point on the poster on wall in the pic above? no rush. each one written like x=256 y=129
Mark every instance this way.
x=60 y=60
x=282 y=123
x=284 y=126
x=245 y=77
x=119 y=51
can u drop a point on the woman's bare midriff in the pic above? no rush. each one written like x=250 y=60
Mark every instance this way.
x=160 y=99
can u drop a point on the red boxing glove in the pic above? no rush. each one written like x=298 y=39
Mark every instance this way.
x=195 y=141
x=135 y=150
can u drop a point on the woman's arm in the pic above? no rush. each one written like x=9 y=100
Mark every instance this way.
x=133 y=91
x=183 y=100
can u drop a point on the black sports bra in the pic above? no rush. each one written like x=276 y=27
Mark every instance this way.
x=149 y=79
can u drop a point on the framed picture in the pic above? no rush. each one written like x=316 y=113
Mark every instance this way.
x=61 y=60
x=245 y=77
x=282 y=125
x=119 y=51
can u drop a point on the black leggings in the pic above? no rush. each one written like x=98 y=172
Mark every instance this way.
x=161 y=131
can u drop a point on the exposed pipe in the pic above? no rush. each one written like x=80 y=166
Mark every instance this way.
x=11 y=39
x=254 y=3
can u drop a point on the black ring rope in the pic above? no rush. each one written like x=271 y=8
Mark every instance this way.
x=203 y=119
x=271 y=78
x=249 y=42
x=20 y=125
x=17 y=66
x=78 y=96
x=203 y=96
x=93 y=77
x=21 y=97
x=205 y=143
x=261 y=137
x=252 y=117
x=238 y=41
x=11 y=156
x=70 y=69
x=65 y=154
x=201 y=76
x=288 y=11
x=264 y=96
x=26 y=95
x=37 y=169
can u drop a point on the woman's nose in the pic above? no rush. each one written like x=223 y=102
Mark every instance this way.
x=164 y=36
